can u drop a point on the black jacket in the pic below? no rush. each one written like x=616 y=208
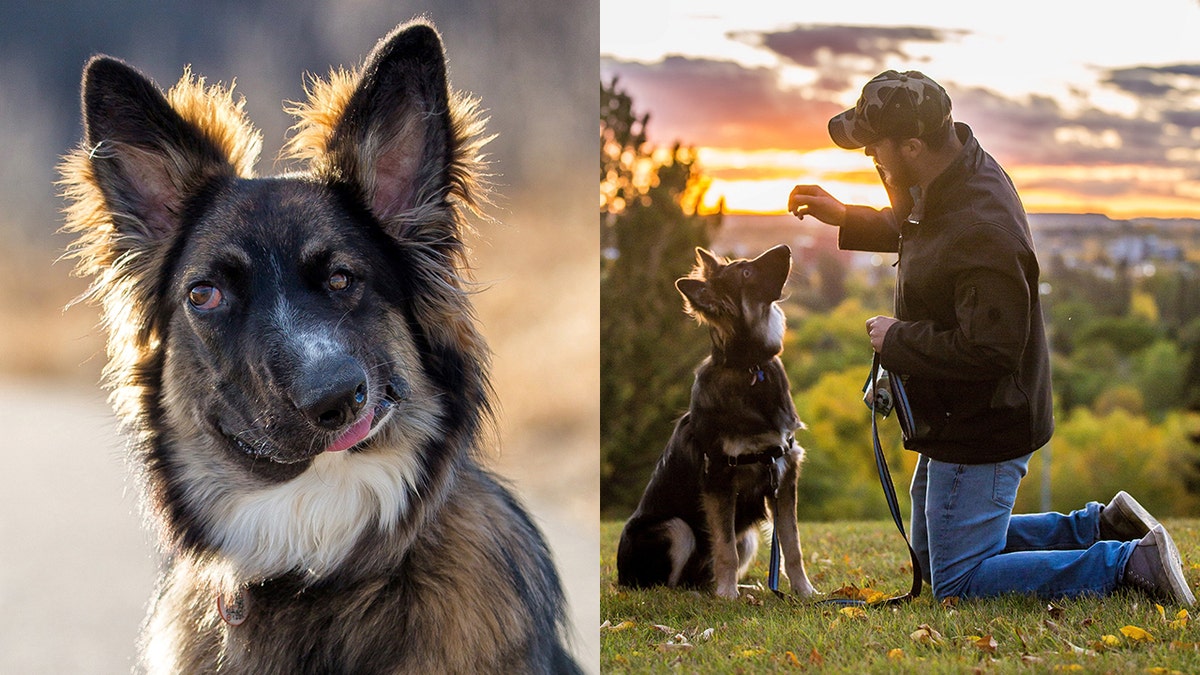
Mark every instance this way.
x=970 y=344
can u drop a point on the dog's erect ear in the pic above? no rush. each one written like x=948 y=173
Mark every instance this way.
x=707 y=261
x=393 y=130
x=145 y=157
x=696 y=294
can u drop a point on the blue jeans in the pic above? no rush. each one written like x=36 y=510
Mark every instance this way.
x=972 y=546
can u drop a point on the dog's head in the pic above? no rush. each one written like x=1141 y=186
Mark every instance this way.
x=269 y=320
x=736 y=298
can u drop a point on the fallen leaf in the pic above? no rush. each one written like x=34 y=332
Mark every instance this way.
x=815 y=658
x=1162 y=613
x=706 y=635
x=926 y=634
x=986 y=644
x=606 y=624
x=874 y=596
x=751 y=653
x=1110 y=640
x=1030 y=659
x=791 y=659
x=896 y=654
x=853 y=612
x=1137 y=634
x=1053 y=627
x=675 y=647
x=666 y=629
x=623 y=625
x=950 y=602
x=850 y=592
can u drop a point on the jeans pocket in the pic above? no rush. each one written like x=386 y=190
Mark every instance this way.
x=1006 y=479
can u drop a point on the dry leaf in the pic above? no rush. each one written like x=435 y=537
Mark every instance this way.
x=706 y=635
x=751 y=653
x=853 y=612
x=792 y=659
x=896 y=654
x=623 y=625
x=1137 y=634
x=1162 y=613
x=1181 y=620
x=606 y=624
x=925 y=634
x=950 y=602
x=815 y=658
x=1110 y=640
x=666 y=629
x=1030 y=659
x=986 y=644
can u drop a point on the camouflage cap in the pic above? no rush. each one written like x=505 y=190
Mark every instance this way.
x=892 y=105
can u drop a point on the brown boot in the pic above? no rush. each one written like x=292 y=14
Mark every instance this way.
x=1155 y=568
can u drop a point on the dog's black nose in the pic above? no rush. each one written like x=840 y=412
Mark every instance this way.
x=332 y=392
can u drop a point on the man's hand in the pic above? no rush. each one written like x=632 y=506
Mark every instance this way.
x=812 y=200
x=877 y=328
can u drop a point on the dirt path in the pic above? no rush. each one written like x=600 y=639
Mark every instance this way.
x=76 y=569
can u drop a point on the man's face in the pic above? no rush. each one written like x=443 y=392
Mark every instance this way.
x=892 y=163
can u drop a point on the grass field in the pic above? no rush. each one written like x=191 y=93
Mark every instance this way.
x=663 y=630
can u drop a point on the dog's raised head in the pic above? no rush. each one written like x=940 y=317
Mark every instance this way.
x=273 y=324
x=737 y=298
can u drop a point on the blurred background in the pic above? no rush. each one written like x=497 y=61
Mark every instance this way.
x=76 y=569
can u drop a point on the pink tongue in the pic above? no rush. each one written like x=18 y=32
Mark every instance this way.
x=353 y=435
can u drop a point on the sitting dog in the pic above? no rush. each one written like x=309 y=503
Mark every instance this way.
x=732 y=456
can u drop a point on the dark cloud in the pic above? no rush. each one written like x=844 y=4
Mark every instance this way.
x=810 y=45
x=1155 y=81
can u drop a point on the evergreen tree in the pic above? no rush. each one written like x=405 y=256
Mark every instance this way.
x=650 y=226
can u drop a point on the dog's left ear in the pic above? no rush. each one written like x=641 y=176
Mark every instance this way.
x=393 y=131
x=696 y=294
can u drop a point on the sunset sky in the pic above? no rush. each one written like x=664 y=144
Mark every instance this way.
x=1092 y=107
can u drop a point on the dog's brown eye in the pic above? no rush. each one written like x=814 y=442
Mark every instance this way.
x=746 y=272
x=204 y=296
x=338 y=281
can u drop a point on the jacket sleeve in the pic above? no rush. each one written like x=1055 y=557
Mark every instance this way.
x=994 y=277
x=868 y=229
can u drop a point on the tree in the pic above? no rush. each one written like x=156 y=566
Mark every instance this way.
x=650 y=226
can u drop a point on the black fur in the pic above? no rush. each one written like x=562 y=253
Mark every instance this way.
x=732 y=460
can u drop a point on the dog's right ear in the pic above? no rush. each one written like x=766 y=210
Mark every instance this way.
x=707 y=261
x=145 y=158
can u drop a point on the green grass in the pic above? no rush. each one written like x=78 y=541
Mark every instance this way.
x=666 y=630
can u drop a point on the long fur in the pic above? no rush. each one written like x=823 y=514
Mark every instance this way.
x=400 y=554
x=695 y=524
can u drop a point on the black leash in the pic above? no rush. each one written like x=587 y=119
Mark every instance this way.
x=904 y=415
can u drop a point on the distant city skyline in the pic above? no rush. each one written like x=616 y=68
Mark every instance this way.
x=1092 y=107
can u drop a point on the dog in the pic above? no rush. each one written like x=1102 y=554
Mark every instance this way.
x=732 y=459
x=298 y=365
